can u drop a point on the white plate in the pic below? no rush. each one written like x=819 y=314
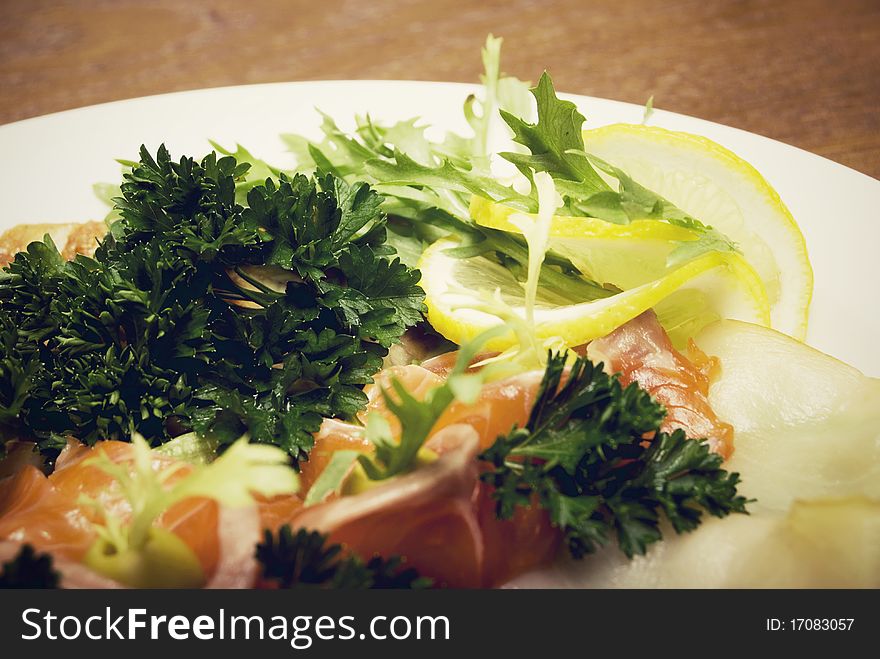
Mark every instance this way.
x=50 y=163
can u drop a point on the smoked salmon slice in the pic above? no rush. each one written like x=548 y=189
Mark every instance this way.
x=426 y=516
x=640 y=351
x=440 y=519
x=448 y=533
x=47 y=511
x=500 y=405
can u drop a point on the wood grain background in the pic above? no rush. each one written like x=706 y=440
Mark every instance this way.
x=806 y=72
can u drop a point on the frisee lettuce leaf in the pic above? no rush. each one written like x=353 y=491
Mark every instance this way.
x=649 y=110
x=500 y=92
x=481 y=122
x=233 y=479
x=537 y=234
x=550 y=141
x=191 y=448
x=395 y=456
x=556 y=146
x=332 y=477
x=637 y=202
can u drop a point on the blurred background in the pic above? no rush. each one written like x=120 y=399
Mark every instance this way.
x=806 y=72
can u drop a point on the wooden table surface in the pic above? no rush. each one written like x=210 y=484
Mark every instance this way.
x=806 y=72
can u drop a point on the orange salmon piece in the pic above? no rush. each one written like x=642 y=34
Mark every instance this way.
x=47 y=511
x=640 y=351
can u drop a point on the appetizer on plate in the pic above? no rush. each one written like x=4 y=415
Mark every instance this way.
x=538 y=355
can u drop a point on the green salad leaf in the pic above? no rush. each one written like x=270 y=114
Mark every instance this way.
x=550 y=142
x=635 y=202
x=555 y=145
x=233 y=479
x=395 y=456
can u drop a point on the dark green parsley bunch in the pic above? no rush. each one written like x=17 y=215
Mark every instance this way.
x=202 y=313
x=305 y=559
x=29 y=569
x=583 y=457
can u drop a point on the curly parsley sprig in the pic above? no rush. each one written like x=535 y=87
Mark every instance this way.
x=583 y=456
x=305 y=559
x=170 y=328
x=29 y=569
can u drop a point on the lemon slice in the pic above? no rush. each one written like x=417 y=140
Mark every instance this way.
x=493 y=215
x=456 y=287
x=625 y=255
x=708 y=182
x=720 y=189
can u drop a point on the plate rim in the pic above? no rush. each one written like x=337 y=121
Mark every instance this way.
x=463 y=86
